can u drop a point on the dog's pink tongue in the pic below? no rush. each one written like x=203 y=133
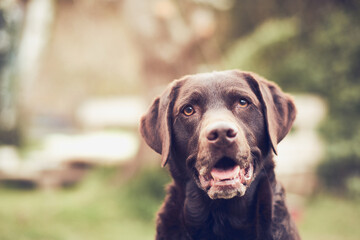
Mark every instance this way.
x=222 y=174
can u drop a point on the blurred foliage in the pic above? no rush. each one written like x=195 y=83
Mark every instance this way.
x=146 y=191
x=315 y=50
x=10 y=30
x=97 y=208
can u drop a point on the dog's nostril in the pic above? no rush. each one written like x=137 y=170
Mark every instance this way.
x=231 y=133
x=213 y=135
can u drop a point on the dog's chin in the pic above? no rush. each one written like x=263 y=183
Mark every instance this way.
x=226 y=191
x=225 y=181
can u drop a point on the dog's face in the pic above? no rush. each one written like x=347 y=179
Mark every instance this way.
x=218 y=124
x=216 y=127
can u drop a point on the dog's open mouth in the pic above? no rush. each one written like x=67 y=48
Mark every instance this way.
x=227 y=179
x=227 y=172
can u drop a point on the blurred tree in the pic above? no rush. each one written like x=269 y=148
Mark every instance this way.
x=316 y=49
x=170 y=35
x=10 y=25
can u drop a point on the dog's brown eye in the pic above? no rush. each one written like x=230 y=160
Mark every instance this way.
x=243 y=103
x=189 y=110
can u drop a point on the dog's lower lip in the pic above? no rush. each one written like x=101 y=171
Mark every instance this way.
x=227 y=182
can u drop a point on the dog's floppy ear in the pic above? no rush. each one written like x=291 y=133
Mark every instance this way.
x=155 y=124
x=278 y=107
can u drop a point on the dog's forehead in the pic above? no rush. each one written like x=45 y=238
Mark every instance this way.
x=213 y=83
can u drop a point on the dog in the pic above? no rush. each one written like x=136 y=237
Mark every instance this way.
x=218 y=132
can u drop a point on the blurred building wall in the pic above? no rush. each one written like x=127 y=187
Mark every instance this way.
x=89 y=55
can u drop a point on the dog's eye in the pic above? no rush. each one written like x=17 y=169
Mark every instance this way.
x=243 y=103
x=188 y=110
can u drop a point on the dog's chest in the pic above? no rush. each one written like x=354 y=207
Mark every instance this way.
x=223 y=221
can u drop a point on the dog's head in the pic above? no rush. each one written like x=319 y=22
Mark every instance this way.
x=216 y=128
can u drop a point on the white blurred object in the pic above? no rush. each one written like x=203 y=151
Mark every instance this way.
x=65 y=159
x=300 y=151
x=120 y=111
x=9 y=159
x=98 y=147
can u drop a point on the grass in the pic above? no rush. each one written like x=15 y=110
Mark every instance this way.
x=328 y=217
x=99 y=209
x=96 y=209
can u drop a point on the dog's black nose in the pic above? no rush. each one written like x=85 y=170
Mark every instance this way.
x=221 y=132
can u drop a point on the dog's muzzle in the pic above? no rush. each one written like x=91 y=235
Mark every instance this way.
x=224 y=167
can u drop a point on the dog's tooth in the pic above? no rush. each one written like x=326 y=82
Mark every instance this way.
x=237 y=169
x=242 y=172
x=203 y=171
x=249 y=173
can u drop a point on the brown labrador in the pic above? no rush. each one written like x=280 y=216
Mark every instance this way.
x=218 y=132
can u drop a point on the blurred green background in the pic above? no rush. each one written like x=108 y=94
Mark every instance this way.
x=75 y=75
